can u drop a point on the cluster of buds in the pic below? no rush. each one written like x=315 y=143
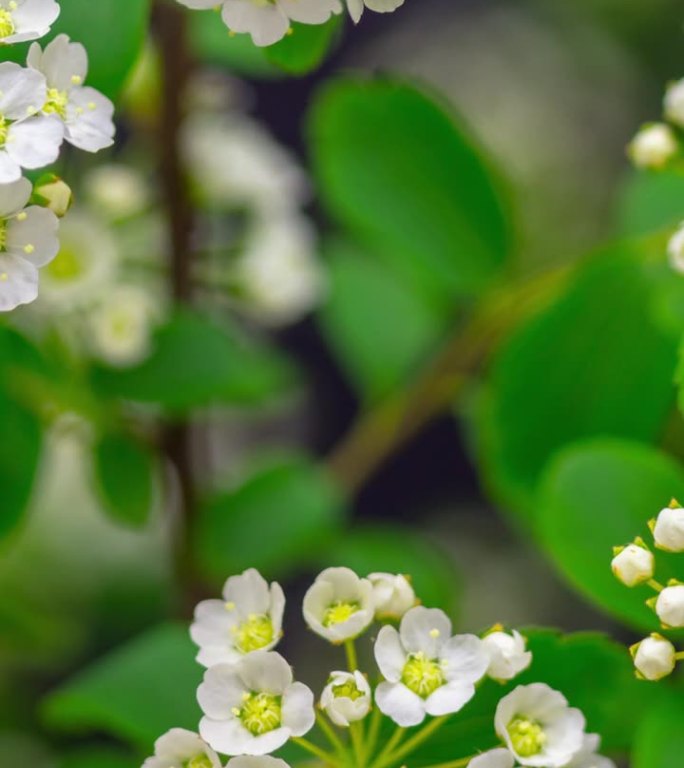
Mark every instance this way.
x=655 y=657
x=252 y=705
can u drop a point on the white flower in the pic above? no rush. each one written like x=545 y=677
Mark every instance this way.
x=496 y=758
x=380 y=6
x=346 y=698
x=654 y=657
x=121 y=325
x=674 y=103
x=27 y=139
x=256 y=761
x=668 y=530
x=670 y=606
x=269 y=21
x=22 y=20
x=588 y=756
x=253 y=707
x=393 y=595
x=507 y=654
x=633 y=564
x=249 y=618
x=84 y=267
x=539 y=727
x=675 y=250
x=339 y=605
x=183 y=748
x=427 y=671
x=116 y=190
x=653 y=146
x=279 y=277
x=85 y=112
x=28 y=240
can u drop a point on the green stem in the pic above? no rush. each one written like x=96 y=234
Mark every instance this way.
x=373 y=732
x=332 y=737
x=357 y=743
x=352 y=661
x=412 y=744
x=321 y=754
x=394 y=740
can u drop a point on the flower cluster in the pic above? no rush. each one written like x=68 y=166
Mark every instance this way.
x=252 y=705
x=41 y=105
x=268 y=21
x=655 y=657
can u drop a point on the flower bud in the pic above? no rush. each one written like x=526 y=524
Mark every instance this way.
x=346 y=698
x=633 y=564
x=654 y=657
x=507 y=654
x=54 y=193
x=674 y=103
x=393 y=595
x=653 y=146
x=670 y=606
x=668 y=529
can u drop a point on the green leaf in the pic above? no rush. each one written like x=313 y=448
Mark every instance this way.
x=136 y=693
x=278 y=520
x=195 y=362
x=125 y=472
x=397 y=170
x=378 y=326
x=305 y=48
x=99 y=757
x=650 y=201
x=598 y=361
x=659 y=741
x=393 y=549
x=597 y=495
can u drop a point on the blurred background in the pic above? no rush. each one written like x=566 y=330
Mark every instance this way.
x=171 y=448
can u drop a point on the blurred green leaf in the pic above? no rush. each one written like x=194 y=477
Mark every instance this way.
x=597 y=495
x=394 y=549
x=136 y=693
x=650 y=201
x=278 y=520
x=305 y=48
x=397 y=170
x=379 y=327
x=195 y=362
x=659 y=741
x=599 y=361
x=124 y=472
x=99 y=757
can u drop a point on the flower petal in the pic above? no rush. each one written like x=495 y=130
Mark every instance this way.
x=449 y=698
x=400 y=704
x=298 y=709
x=466 y=658
x=14 y=196
x=34 y=237
x=18 y=282
x=89 y=123
x=390 y=654
x=497 y=758
x=35 y=142
x=22 y=91
x=310 y=11
x=229 y=737
x=221 y=690
x=265 y=671
x=249 y=592
x=425 y=629
x=63 y=63
x=265 y=23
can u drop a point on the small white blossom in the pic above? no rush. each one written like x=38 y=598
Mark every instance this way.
x=633 y=564
x=496 y=758
x=346 y=698
x=249 y=618
x=507 y=654
x=256 y=761
x=253 y=707
x=267 y=22
x=426 y=670
x=588 y=756
x=121 y=325
x=183 y=748
x=393 y=595
x=86 y=113
x=653 y=147
x=339 y=605
x=27 y=139
x=674 y=103
x=654 y=657
x=670 y=606
x=668 y=530
x=22 y=20
x=538 y=726
x=28 y=240
x=116 y=190
x=675 y=250
x=356 y=7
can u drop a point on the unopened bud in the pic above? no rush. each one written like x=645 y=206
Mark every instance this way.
x=54 y=193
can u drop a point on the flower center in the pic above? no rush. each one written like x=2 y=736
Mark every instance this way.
x=527 y=736
x=339 y=612
x=348 y=690
x=255 y=633
x=261 y=712
x=56 y=103
x=6 y=22
x=422 y=675
x=199 y=761
x=3 y=234
x=65 y=266
x=4 y=130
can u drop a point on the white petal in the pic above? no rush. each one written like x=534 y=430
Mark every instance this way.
x=199 y=4
x=310 y=11
x=425 y=629
x=265 y=23
x=252 y=761
x=212 y=623
x=466 y=658
x=229 y=737
x=220 y=692
x=35 y=142
x=355 y=9
x=64 y=64
x=34 y=238
x=277 y=608
x=400 y=704
x=18 y=282
x=497 y=758
x=10 y=170
x=298 y=709
x=267 y=742
x=383 y=6
x=390 y=654
x=249 y=592
x=449 y=698
x=22 y=91
x=178 y=745
x=89 y=123
x=13 y=197
x=32 y=19
x=265 y=671
x=212 y=655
